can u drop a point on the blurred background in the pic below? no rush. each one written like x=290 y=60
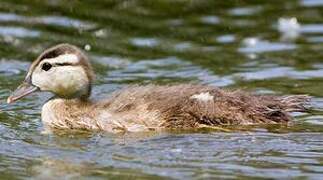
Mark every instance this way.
x=267 y=47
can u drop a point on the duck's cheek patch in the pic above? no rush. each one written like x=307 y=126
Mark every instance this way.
x=203 y=97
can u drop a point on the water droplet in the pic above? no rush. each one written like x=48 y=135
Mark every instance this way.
x=87 y=47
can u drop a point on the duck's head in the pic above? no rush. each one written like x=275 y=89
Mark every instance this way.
x=63 y=70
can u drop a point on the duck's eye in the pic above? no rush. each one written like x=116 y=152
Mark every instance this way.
x=46 y=66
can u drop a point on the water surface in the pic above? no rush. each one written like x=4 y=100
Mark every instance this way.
x=231 y=44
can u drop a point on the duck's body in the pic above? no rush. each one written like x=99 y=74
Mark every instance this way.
x=144 y=108
x=65 y=71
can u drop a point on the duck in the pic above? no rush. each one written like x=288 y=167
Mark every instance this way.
x=66 y=72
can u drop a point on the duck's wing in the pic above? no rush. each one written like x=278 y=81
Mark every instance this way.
x=194 y=105
x=219 y=107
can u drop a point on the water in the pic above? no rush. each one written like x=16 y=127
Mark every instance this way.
x=232 y=44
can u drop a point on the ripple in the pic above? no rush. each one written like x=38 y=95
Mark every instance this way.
x=183 y=46
x=10 y=17
x=63 y=21
x=255 y=45
x=317 y=103
x=244 y=11
x=317 y=120
x=210 y=20
x=275 y=72
x=165 y=68
x=163 y=43
x=312 y=28
x=48 y=20
x=311 y=3
x=226 y=38
x=144 y=42
x=18 y=32
x=12 y=67
x=315 y=39
x=112 y=61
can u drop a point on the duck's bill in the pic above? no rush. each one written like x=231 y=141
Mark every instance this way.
x=23 y=90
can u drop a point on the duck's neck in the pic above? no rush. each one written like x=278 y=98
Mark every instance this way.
x=69 y=113
x=85 y=97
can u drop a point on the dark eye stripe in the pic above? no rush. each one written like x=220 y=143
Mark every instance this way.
x=63 y=64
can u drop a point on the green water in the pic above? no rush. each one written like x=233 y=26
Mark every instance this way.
x=232 y=44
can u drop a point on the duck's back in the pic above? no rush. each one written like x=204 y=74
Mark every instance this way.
x=185 y=106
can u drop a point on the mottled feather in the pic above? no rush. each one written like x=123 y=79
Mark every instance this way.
x=152 y=107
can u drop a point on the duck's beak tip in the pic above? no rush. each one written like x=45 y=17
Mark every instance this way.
x=23 y=90
x=9 y=100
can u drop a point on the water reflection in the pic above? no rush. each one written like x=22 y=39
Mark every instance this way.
x=149 y=42
x=210 y=20
x=48 y=20
x=312 y=3
x=245 y=11
x=312 y=28
x=226 y=39
x=255 y=45
x=18 y=32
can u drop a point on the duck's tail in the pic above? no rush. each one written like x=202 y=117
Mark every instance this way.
x=293 y=103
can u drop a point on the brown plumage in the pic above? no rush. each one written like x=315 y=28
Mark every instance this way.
x=143 y=108
x=177 y=109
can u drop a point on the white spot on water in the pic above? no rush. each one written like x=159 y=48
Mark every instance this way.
x=102 y=33
x=203 y=97
x=289 y=28
x=87 y=47
x=288 y=24
x=250 y=42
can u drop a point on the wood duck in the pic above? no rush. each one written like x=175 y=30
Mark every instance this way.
x=66 y=71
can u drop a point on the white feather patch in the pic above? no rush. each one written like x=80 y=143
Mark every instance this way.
x=65 y=58
x=204 y=97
